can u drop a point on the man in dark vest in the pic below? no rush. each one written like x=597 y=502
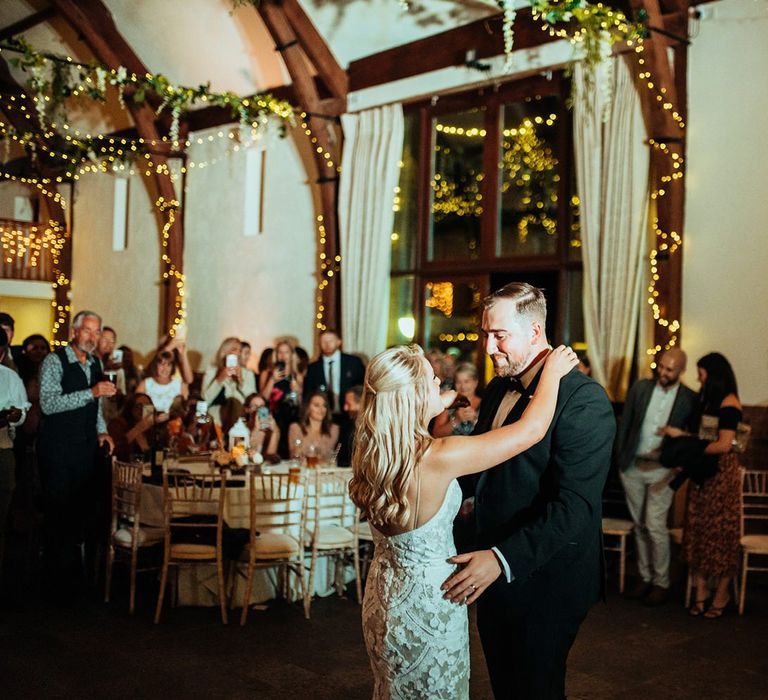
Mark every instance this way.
x=538 y=516
x=71 y=386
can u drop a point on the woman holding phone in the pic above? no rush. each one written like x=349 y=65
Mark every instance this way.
x=227 y=379
x=281 y=387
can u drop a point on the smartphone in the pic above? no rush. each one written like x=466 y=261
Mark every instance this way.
x=262 y=414
x=232 y=361
x=117 y=355
x=280 y=365
x=201 y=408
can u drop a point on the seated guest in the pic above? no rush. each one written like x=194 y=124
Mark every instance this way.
x=132 y=377
x=132 y=430
x=245 y=353
x=227 y=379
x=266 y=361
x=315 y=428
x=265 y=434
x=280 y=387
x=160 y=384
x=352 y=402
x=178 y=347
x=334 y=373
x=460 y=421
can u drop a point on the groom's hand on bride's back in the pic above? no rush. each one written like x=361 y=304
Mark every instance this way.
x=478 y=571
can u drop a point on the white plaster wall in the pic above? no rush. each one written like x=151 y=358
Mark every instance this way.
x=253 y=287
x=121 y=286
x=725 y=261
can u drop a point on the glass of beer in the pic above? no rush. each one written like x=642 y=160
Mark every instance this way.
x=313 y=458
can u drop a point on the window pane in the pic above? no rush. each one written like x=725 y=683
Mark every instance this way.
x=451 y=318
x=456 y=185
x=405 y=200
x=402 y=326
x=574 y=319
x=530 y=178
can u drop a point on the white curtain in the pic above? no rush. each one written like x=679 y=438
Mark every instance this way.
x=612 y=174
x=373 y=146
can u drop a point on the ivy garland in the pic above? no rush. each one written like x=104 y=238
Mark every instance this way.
x=54 y=80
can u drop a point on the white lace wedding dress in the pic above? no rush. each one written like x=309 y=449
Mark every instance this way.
x=417 y=641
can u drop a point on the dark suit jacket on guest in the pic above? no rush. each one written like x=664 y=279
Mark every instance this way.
x=352 y=374
x=543 y=508
x=638 y=398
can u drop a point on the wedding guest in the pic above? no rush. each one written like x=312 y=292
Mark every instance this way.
x=651 y=405
x=584 y=366
x=13 y=411
x=712 y=533
x=34 y=350
x=227 y=378
x=178 y=346
x=132 y=376
x=245 y=353
x=6 y=356
x=162 y=383
x=280 y=387
x=460 y=421
x=352 y=403
x=132 y=429
x=265 y=434
x=266 y=361
x=315 y=428
x=71 y=386
x=334 y=372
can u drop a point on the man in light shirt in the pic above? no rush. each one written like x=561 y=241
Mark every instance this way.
x=651 y=405
x=13 y=411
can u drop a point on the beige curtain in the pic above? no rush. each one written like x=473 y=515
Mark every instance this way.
x=612 y=175
x=373 y=146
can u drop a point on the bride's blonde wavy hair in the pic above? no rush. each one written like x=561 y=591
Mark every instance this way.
x=391 y=434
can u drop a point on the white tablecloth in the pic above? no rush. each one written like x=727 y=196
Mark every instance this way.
x=198 y=584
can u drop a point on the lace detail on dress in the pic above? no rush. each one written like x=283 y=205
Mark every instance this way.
x=417 y=641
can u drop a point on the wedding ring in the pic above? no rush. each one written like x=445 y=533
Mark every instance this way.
x=473 y=587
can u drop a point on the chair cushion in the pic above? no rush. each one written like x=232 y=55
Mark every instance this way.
x=755 y=543
x=148 y=536
x=332 y=536
x=184 y=550
x=274 y=545
x=364 y=531
x=617 y=526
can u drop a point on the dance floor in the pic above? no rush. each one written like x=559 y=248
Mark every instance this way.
x=98 y=651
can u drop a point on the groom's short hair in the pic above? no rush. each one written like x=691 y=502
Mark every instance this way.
x=529 y=300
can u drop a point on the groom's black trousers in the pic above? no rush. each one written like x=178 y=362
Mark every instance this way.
x=526 y=643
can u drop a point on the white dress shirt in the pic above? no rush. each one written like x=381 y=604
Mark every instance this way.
x=656 y=416
x=334 y=386
x=12 y=395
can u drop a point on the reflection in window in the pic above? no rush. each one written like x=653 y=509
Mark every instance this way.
x=405 y=199
x=529 y=178
x=402 y=325
x=451 y=318
x=457 y=200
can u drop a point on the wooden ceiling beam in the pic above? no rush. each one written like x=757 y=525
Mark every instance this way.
x=318 y=52
x=94 y=23
x=27 y=23
x=444 y=50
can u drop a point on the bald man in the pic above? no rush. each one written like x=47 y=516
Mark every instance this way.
x=652 y=404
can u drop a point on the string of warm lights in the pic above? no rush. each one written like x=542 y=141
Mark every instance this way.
x=328 y=268
x=169 y=207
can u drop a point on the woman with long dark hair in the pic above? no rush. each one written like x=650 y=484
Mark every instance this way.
x=315 y=427
x=712 y=525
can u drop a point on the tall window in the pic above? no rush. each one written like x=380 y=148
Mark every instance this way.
x=486 y=196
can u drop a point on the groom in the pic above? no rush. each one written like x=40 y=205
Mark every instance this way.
x=538 y=515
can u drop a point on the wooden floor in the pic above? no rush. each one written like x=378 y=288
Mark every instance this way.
x=96 y=650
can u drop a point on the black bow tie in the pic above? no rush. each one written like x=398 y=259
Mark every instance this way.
x=514 y=384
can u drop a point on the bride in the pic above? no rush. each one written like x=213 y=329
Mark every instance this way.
x=404 y=483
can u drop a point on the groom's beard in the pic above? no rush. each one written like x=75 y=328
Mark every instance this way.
x=504 y=366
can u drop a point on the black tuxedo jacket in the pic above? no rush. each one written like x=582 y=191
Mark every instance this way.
x=352 y=374
x=543 y=508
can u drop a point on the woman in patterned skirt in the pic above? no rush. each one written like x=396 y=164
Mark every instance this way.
x=711 y=539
